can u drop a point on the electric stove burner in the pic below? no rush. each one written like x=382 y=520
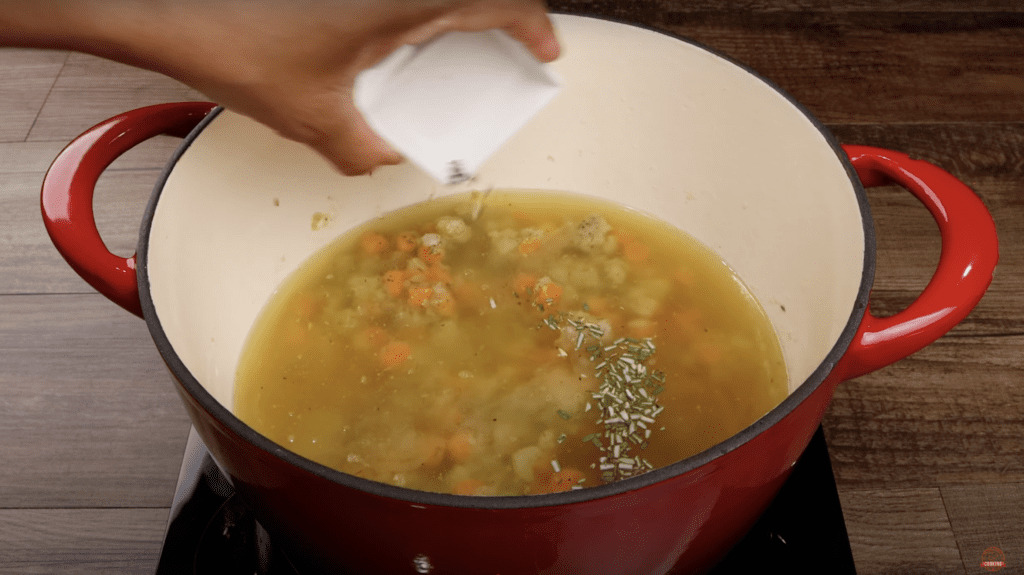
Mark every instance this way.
x=210 y=532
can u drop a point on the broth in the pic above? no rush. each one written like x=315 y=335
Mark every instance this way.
x=508 y=343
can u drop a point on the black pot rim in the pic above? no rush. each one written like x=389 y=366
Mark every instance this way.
x=192 y=386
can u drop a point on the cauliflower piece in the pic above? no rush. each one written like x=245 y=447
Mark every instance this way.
x=590 y=233
x=504 y=241
x=454 y=229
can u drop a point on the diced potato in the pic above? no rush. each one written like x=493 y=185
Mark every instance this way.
x=559 y=272
x=642 y=305
x=506 y=433
x=547 y=439
x=524 y=460
x=563 y=389
x=645 y=298
x=615 y=271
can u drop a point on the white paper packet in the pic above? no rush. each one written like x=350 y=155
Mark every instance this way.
x=449 y=104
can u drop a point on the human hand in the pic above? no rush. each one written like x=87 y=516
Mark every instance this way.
x=292 y=65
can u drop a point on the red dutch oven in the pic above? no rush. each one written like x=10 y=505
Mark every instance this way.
x=649 y=120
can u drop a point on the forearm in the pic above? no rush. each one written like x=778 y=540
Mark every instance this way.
x=56 y=24
x=290 y=64
x=158 y=35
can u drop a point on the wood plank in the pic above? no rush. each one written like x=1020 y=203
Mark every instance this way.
x=33 y=157
x=36 y=157
x=90 y=90
x=950 y=414
x=87 y=407
x=648 y=9
x=86 y=541
x=968 y=150
x=903 y=531
x=864 y=66
x=985 y=516
x=31 y=264
x=27 y=76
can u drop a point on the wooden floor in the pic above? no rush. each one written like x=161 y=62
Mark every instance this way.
x=928 y=453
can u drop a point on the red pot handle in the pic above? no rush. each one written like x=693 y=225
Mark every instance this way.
x=71 y=180
x=969 y=255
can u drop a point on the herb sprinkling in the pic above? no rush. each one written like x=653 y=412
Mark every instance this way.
x=626 y=400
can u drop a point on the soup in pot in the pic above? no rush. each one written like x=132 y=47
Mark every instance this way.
x=509 y=343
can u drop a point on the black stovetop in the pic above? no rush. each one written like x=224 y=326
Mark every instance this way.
x=210 y=532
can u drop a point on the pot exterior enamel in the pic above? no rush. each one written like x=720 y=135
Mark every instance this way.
x=683 y=524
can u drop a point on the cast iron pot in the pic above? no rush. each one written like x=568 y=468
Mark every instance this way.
x=646 y=119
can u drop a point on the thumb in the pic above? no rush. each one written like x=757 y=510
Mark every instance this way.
x=348 y=142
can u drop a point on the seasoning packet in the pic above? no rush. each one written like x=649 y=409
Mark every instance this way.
x=449 y=104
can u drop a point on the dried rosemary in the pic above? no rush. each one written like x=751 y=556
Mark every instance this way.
x=627 y=405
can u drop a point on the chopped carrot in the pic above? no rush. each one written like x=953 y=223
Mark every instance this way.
x=406 y=241
x=419 y=295
x=523 y=284
x=443 y=300
x=461 y=446
x=438 y=273
x=431 y=254
x=394 y=353
x=541 y=478
x=529 y=245
x=547 y=481
x=467 y=487
x=636 y=251
x=549 y=294
x=565 y=479
x=374 y=243
x=393 y=282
